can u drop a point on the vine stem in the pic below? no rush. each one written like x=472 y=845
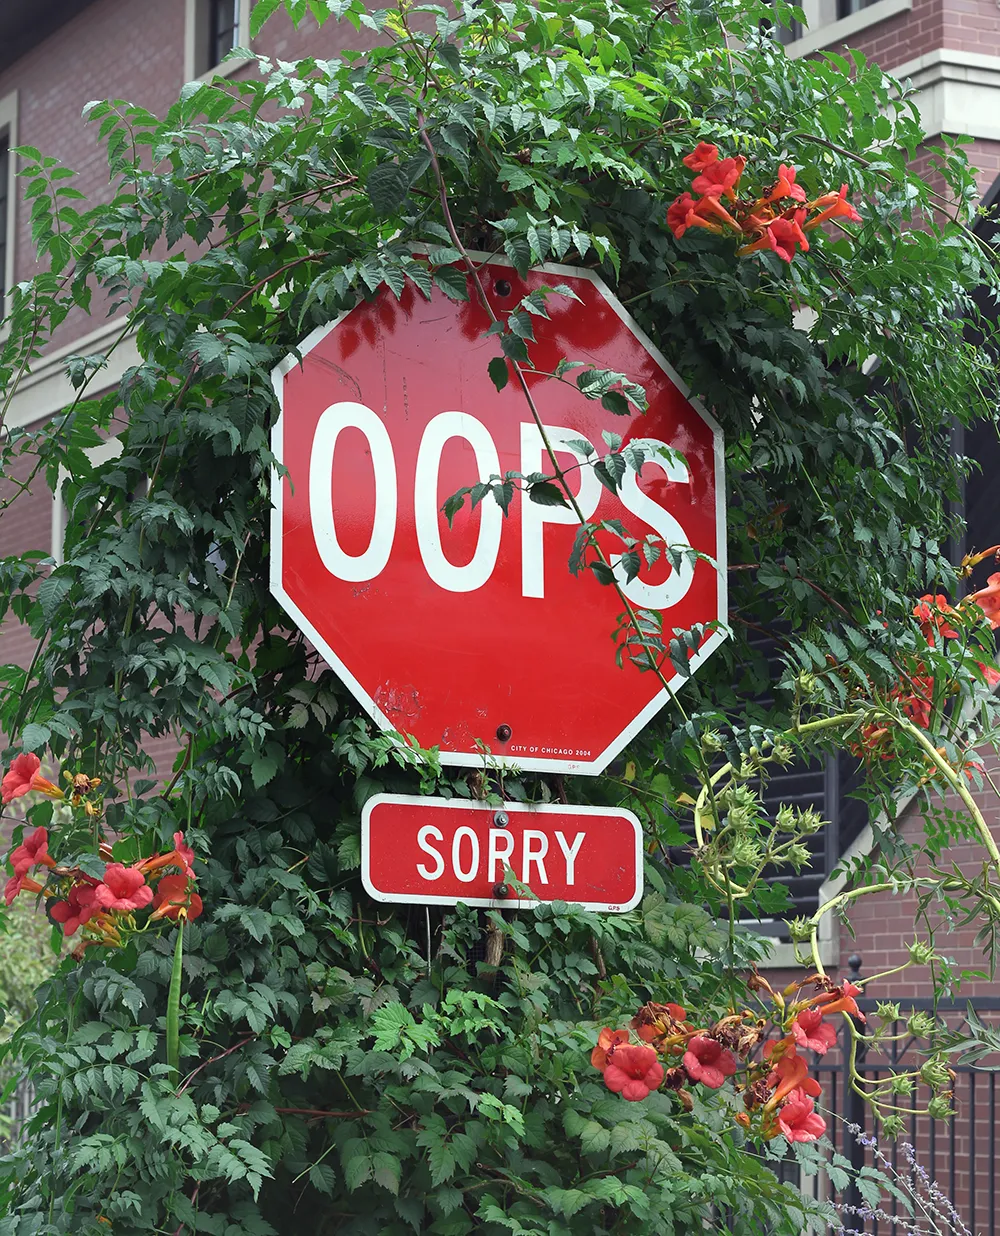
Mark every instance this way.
x=560 y=475
x=204 y=1065
x=810 y=727
x=960 y=788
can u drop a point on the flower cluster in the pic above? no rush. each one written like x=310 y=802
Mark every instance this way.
x=103 y=907
x=775 y=1085
x=938 y=621
x=777 y=220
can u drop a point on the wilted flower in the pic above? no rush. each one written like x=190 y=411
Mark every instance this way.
x=655 y=1021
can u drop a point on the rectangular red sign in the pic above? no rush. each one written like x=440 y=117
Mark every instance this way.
x=440 y=851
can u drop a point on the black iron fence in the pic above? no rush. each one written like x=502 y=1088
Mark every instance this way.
x=961 y=1155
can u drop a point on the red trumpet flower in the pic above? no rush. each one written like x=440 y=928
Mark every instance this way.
x=708 y=1062
x=633 y=1072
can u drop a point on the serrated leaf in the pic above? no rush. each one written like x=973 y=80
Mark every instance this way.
x=545 y=493
x=387 y=187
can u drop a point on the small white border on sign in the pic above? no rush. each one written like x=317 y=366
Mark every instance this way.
x=475 y=759
x=461 y=804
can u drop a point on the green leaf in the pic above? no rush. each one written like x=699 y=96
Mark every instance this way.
x=545 y=493
x=35 y=737
x=259 y=14
x=499 y=373
x=387 y=187
x=453 y=281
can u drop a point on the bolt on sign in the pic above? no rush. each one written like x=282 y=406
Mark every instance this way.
x=477 y=634
x=440 y=851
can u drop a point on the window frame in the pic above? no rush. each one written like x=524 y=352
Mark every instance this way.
x=8 y=126
x=109 y=449
x=816 y=38
x=195 y=13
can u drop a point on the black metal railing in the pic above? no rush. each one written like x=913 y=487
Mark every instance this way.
x=961 y=1155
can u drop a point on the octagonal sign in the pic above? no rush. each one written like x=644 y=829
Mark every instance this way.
x=477 y=638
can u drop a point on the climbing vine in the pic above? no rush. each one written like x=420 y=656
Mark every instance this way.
x=238 y=1040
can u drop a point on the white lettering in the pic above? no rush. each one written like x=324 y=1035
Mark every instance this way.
x=456 y=854
x=424 y=837
x=674 y=588
x=534 y=857
x=534 y=458
x=445 y=574
x=353 y=567
x=570 y=853
x=499 y=855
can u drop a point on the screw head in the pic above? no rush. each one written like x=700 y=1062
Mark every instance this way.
x=501 y=891
x=501 y=819
x=504 y=732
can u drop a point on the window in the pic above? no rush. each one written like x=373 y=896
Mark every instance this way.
x=829 y=22
x=214 y=28
x=8 y=140
x=108 y=450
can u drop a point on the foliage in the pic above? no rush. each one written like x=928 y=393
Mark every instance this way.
x=25 y=961
x=364 y=1066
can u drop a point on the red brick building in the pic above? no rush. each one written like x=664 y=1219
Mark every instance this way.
x=55 y=55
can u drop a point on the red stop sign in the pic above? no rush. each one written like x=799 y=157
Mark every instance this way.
x=478 y=635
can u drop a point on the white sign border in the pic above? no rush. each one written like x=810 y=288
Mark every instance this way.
x=475 y=759
x=506 y=903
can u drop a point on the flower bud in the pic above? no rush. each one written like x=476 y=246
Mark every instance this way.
x=920 y=1024
x=887 y=1011
x=939 y=1108
x=800 y=930
x=901 y=1083
x=921 y=952
x=892 y=1126
x=798 y=856
x=739 y=817
x=935 y=1073
x=785 y=818
x=807 y=683
x=711 y=742
x=746 y=853
x=810 y=822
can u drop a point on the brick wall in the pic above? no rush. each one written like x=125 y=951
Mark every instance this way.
x=120 y=49
x=905 y=36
